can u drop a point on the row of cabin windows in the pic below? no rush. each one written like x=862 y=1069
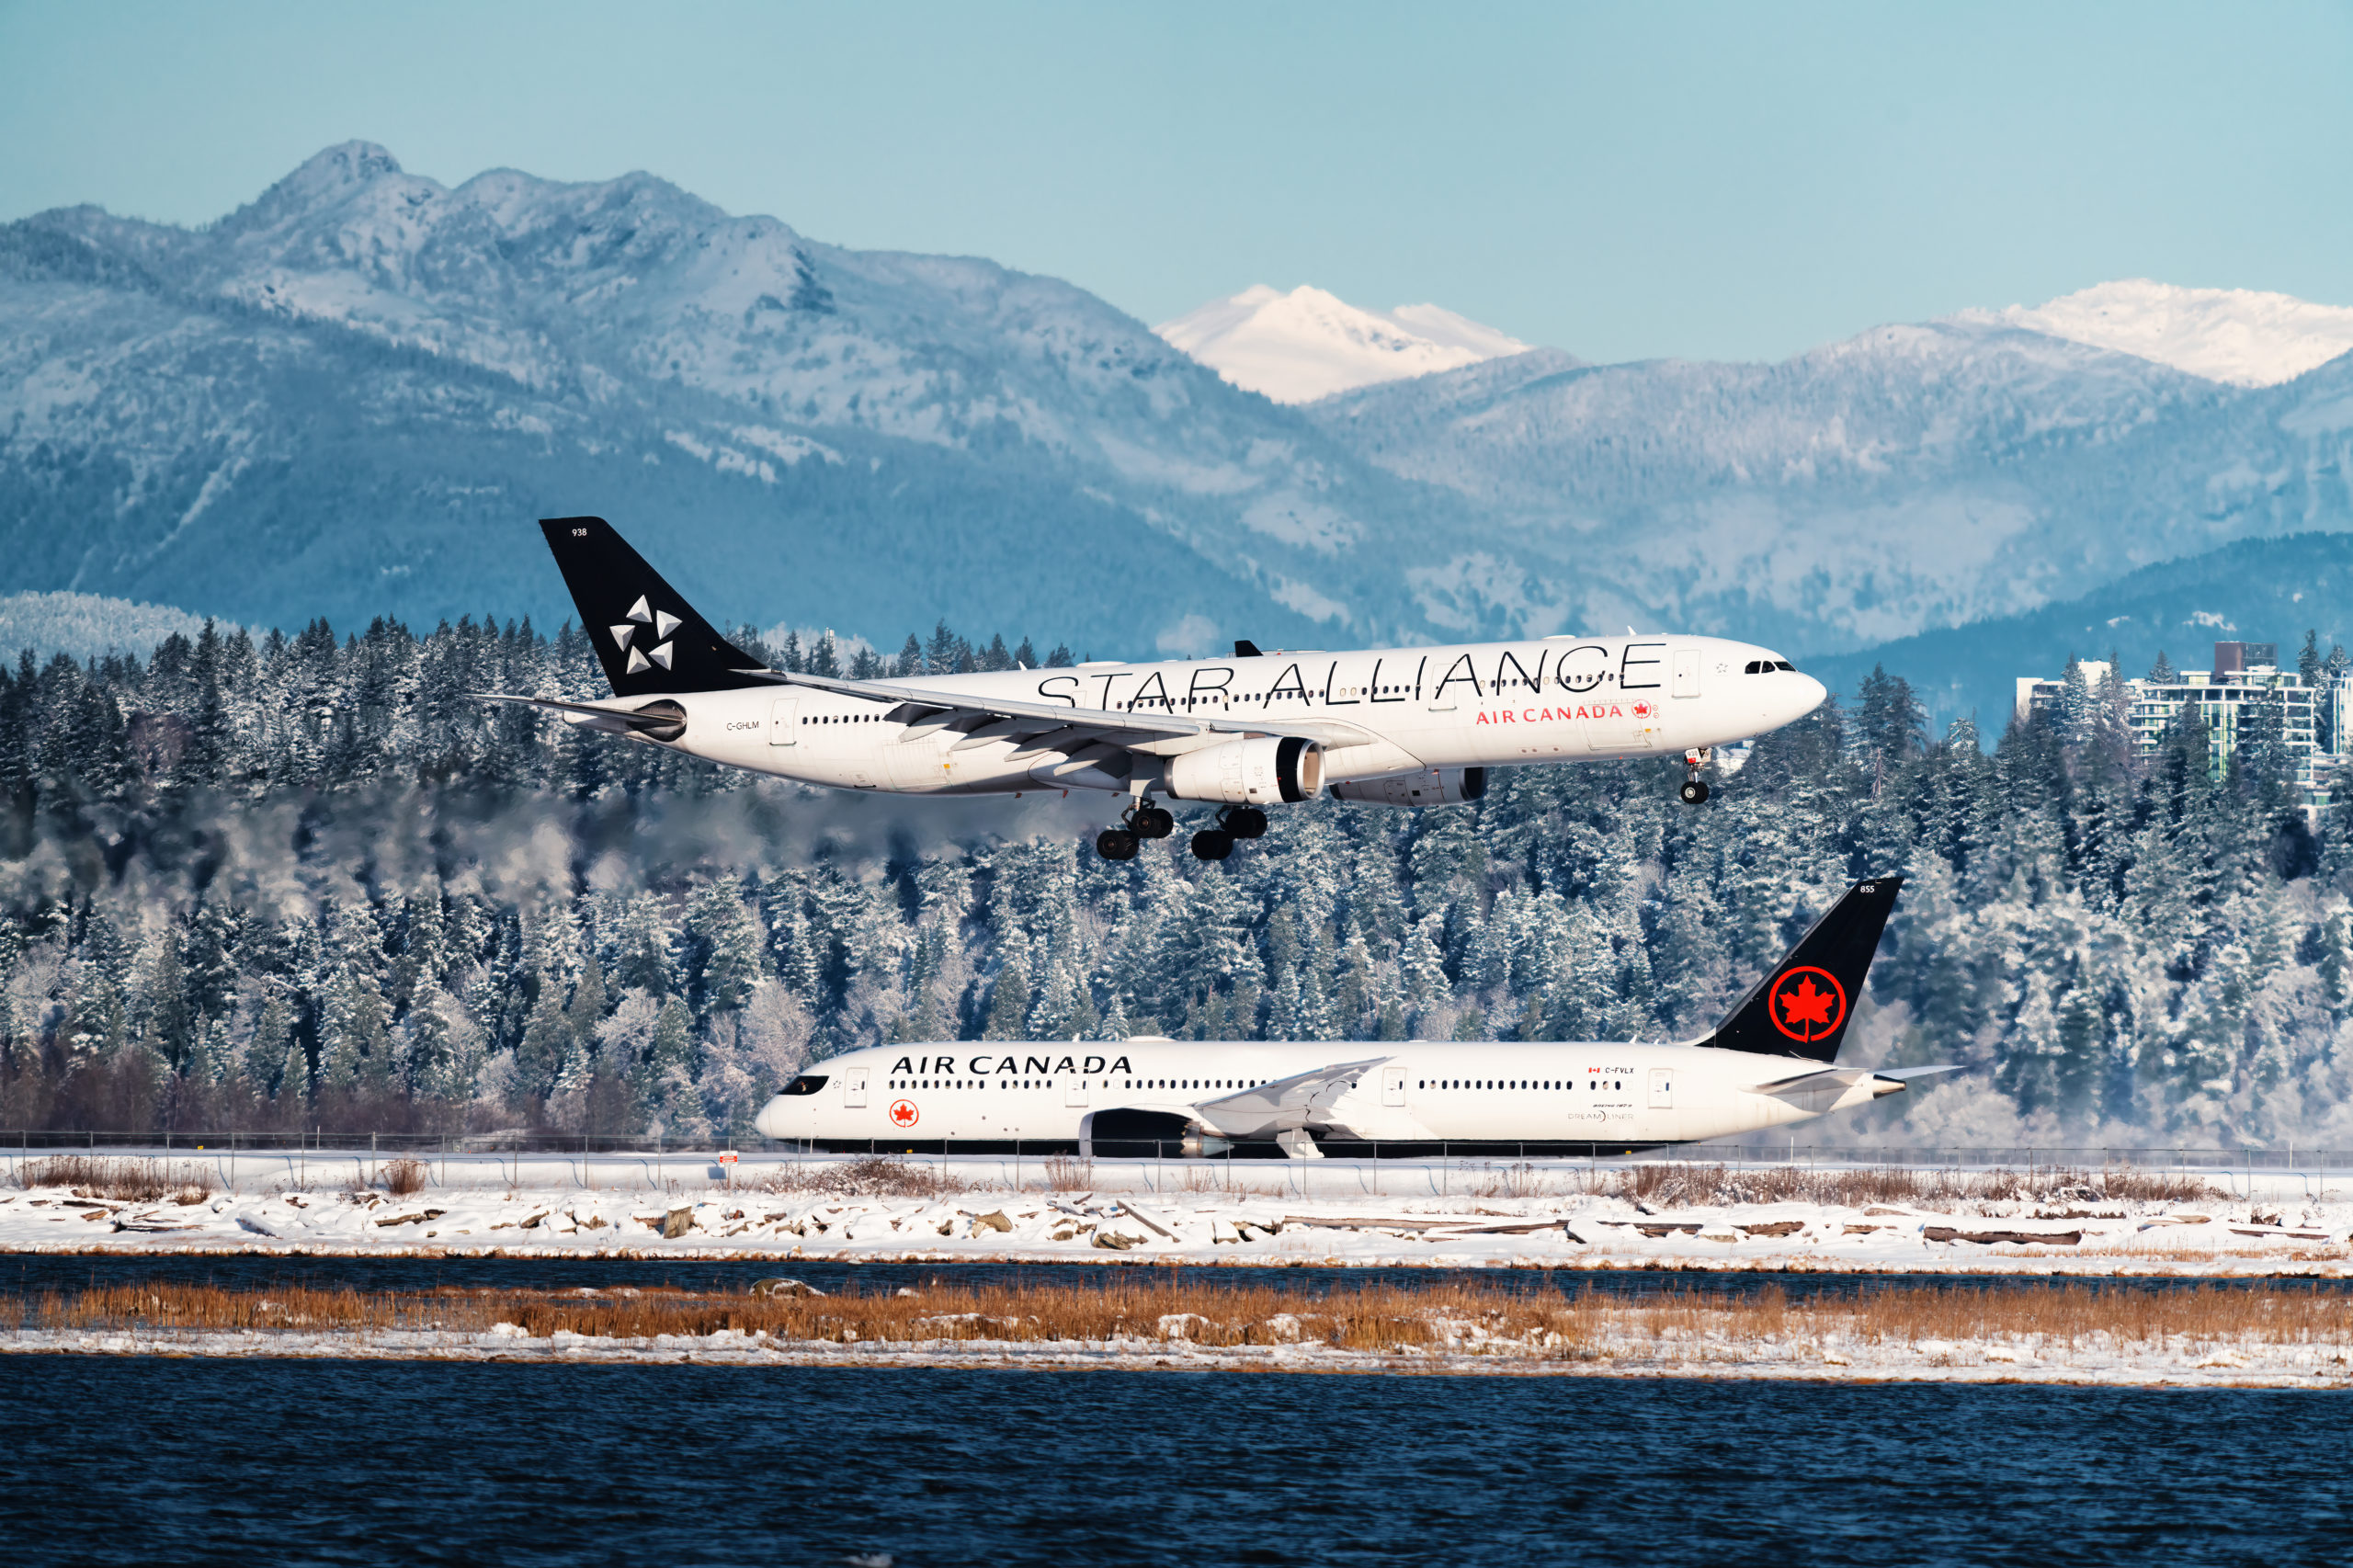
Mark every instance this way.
x=1755 y=666
x=1049 y=1082
x=1517 y=1084
x=1612 y=1084
x=1190 y=1083
x=971 y=1083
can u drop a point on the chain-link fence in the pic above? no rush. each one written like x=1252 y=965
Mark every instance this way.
x=2282 y=1157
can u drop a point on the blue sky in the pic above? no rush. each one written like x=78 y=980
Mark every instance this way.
x=1718 y=181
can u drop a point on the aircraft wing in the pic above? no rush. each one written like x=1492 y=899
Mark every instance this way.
x=1286 y=1105
x=985 y=719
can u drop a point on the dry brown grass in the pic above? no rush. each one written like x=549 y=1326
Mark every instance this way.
x=122 y=1180
x=1670 y=1185
x=870 y=1175
x=1069 y=1173
x=405 y=1177
x=1373 y=1317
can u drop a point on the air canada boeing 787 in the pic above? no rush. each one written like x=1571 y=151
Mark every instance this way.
x=1770 y=1062
x=1385 y=726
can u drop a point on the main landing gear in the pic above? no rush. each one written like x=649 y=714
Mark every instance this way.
x=1235 y=821
x=1143 y=819
x=1695 y=788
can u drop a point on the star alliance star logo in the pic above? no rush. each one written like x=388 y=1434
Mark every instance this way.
x=663 y=622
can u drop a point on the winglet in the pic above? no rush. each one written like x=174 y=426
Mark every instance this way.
x=1246 y=649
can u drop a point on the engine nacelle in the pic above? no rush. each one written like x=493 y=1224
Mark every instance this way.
x=1261 y=770
x=1431 y=786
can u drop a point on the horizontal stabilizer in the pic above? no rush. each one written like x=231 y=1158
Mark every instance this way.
x=656 y=721
x=1883 y=1080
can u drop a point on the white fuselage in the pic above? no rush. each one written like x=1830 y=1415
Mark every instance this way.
x=1413 y=1092
x=1542 y=699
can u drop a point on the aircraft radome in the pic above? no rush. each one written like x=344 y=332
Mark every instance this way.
x=1384 y=726
x=1770 y=1062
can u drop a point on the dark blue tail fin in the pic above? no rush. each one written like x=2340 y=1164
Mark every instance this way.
x=1803 y=1008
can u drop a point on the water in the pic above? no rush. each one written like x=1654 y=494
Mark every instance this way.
x=109 y=1460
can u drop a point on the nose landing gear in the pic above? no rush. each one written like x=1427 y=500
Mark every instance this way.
x=1695 y=788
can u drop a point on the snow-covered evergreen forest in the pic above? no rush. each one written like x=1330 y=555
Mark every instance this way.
x=307 y=880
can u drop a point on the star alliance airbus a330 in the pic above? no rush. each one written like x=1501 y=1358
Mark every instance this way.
x=1385 y=726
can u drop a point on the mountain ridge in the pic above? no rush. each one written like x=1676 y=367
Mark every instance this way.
x=2262 y=590
x=350 y=396
x=533 y=338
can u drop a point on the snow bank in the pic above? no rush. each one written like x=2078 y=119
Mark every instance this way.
x=2222 y=1236
x=2095 y=1359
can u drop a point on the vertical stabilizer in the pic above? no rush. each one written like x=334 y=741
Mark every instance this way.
x=649 y=640
x=1803 y=1008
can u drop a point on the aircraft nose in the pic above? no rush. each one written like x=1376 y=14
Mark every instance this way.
x=769 y=1123
x=1811 y=695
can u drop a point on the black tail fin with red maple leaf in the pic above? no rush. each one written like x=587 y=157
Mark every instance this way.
x=1802 y=1008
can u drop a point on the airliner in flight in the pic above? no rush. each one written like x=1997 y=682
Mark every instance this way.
x=1772 y=1062
x=1383 y=726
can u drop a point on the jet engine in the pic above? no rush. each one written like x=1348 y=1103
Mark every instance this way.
x=1431 y=786
x=1259 y=770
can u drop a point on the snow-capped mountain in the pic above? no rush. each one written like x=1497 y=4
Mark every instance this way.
x=1908 y=478
x=353 y=395
x=2238 y=336
x=1307 y=344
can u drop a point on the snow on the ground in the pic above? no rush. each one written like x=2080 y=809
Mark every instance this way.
x=2222 y=1236
x=1464 y=1347
x=2239 y=336
x=1308 y=343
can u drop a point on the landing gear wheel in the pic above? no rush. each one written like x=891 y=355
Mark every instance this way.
x=1212 y=843
x=1151 y=821
x=1694 y=792
x=1116 y=844
x=1243 y=822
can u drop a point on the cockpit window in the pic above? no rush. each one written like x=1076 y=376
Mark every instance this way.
x=807 y=1084
x=1767 y=666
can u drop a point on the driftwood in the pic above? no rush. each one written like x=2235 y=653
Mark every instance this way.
x=2014 y=1238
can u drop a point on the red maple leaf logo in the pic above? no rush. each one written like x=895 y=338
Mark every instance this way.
x=1807 y=1006
x=1808 y=1011
x=1641 y=709
x=902 y=1113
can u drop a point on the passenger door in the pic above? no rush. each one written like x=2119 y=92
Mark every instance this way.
x=784 y=722
x=1393 y=1085
x=1662 y=1088
x=1075 y=1092
x=1686 y=672
x=854 y=1088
